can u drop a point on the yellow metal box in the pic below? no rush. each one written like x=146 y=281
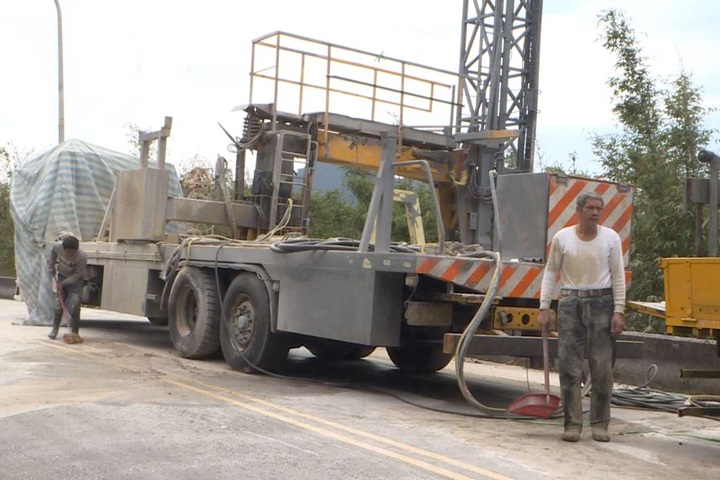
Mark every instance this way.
x=692 y=295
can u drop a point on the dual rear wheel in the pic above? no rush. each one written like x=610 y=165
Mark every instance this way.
x=200 y=324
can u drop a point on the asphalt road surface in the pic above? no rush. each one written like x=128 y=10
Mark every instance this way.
x=123 y=405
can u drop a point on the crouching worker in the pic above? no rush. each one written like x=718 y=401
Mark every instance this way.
x=67 y=265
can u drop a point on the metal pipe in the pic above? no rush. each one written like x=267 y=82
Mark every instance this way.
x=713 y=220
x=61 y=88
x=496 y=210
x=712 y=159
x=698 y=229
x=388 y=141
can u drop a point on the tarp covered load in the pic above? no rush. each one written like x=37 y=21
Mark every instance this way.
x=65 y=189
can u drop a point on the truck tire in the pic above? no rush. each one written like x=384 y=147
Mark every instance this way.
x=247 y=341
x=159 y=321
x=419 y=359
x=332 y=350
x=194 y=313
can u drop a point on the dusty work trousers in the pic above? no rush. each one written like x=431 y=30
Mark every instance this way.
x=584 y=329
x=71 y=299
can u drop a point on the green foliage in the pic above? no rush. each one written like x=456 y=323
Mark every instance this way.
x=7 y=230
x=662 y=129
x=331 y=215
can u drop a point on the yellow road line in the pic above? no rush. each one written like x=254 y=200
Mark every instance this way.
x=207 y=391
x=321 y=431
x=354 y=431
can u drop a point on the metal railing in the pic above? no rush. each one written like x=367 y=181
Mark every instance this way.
x=304 y=73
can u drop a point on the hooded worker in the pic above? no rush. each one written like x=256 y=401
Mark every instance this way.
x=67 y=264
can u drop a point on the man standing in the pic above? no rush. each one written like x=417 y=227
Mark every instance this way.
x=67 y=265
x=588 y=258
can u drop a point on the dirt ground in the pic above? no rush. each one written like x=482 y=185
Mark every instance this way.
x=124 y=405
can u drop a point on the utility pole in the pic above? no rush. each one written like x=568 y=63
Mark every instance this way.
x=713 y=161
x=61 y=88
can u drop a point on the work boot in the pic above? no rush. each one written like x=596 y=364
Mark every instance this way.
x=72 y=338
x=54 y=332
x=55 y=328
x=600 y=433
x=571 y=434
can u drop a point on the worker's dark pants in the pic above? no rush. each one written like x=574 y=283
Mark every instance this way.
x=71 y=299
x=584 y=323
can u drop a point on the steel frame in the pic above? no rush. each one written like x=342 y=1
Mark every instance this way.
x=499 y=70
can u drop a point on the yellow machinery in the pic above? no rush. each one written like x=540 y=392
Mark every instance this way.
x=692 y=297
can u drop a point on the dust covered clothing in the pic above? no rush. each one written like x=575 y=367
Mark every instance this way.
x=70 y=268
x=70 y=271
x=592 y=281
x=585 y=265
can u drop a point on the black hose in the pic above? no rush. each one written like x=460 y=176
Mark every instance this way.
x=339 y=244
x=649 y=398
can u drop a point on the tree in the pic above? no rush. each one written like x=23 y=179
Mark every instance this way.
x=661 y=129
x=7 y=251
x=333 y=216
x=10 y=158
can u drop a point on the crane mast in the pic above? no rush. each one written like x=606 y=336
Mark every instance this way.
x=499 y=69
x=498 y=95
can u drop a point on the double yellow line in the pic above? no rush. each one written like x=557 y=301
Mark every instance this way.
x=318 y=425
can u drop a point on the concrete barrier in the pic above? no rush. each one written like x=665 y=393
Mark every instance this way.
x=671 y=354
x=8 y=287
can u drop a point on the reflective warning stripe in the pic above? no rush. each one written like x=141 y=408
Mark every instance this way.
x=616 y=214
x=518 y=280
x=523 y=279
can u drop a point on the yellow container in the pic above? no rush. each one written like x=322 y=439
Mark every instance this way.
x=692 y=295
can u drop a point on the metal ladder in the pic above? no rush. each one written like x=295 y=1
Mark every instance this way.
x=286 y=181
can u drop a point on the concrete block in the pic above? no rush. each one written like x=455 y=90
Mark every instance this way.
x=671 y=354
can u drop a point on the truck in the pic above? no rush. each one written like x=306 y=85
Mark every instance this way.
x=269 y=286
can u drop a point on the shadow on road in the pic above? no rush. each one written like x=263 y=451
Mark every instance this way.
x=375 y=374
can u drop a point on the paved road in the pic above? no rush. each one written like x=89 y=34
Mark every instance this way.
x=123 y=405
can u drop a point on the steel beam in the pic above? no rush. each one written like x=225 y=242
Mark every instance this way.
x=699 y=373
x=213 y=213
x=492 y=345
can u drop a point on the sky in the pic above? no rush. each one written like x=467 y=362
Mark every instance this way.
x=137 y=61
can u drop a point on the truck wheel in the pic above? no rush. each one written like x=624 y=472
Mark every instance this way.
x=159 y=321
x=422 y=359
x=246 y=338
x=194 y=313
x=332 y=350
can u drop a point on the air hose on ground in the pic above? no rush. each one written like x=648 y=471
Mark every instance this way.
x=466 y=338
x=648 y=398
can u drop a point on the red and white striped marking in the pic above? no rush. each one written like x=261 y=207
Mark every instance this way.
x=523 y=279
x=519 y=279
x=616 y=214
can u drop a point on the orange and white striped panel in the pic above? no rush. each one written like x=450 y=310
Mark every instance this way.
x=617 y=213
x=518 y=280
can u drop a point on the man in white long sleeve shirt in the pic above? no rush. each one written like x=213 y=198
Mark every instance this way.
x=588 y=260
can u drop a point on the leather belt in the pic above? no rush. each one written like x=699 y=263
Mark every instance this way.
x=598 y=292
